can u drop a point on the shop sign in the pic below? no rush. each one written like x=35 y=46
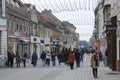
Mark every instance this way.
x=12 y=40
x=110 y=27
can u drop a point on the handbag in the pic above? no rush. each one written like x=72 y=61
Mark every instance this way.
x=32 y=62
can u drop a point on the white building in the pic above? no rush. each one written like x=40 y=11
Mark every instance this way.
x=3 y=33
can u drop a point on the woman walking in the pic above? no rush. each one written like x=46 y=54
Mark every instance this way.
x=48 y=57
x=95 y=64
x=34 y=59
x=71 y=59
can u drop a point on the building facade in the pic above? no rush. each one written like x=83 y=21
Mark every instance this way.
x=3 y=32
x=111 y=10
x=18 y=21
x=23 y=29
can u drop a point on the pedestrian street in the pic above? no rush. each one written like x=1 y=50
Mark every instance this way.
x=57 y=72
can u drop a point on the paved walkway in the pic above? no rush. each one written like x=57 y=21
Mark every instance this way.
x=58 y=72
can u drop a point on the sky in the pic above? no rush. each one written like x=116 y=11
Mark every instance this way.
x=78 y=12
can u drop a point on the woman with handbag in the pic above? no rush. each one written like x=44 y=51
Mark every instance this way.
x=95 y=63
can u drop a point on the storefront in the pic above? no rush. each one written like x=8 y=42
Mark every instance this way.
x=111 y=43
x=35 y=45
x=3 y=45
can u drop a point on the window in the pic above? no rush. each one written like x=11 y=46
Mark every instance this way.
x=0 y=7
x=0 y=10
x=20 y=27
x=35 y=39
x=0 y=42
x=9 y=23
x=17 y=27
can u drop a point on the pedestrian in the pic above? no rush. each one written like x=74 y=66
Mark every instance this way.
x=48 y=57
x=43 y=57
x=77 y=58
x=59 y=56
x=24 y=59
x=94 y=63
x=18 y=60
x=34 y=59
x=81 y=55
x=71 y=59
x=53 y=58
x=10 y=58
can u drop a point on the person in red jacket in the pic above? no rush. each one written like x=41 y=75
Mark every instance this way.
x=71 y=59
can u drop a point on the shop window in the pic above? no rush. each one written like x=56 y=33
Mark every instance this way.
x=34 y=39
x=0 y=7
x=0 y=42
x=42 y=41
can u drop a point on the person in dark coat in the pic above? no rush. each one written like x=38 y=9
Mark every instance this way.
x=53 y=56
x=24 y=59
x=43 y=57
x=18 y=60
x=10 y=58
x=34 y=59
x=77 y=58
x=59 y=56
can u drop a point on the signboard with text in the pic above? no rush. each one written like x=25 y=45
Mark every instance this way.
x=110 y=27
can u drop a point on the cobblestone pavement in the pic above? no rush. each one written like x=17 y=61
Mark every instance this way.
x=58 y=72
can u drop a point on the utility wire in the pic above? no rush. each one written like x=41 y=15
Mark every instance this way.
x=53 y=9
x=80 y=5
x=66 y=6
x=70 y=5
x=63 y=9
x=56 y=4
x=37 y=5
x=89 y=4
x=76 y=4
x=44 y=2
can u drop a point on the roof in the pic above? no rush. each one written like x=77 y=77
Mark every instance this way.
x=22 y=10
x=43 y=18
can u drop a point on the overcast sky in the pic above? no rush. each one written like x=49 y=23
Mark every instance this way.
x=78 y=12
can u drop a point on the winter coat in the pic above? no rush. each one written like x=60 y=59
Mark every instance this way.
x=10 y=56
x=94 y=61
x=71 y=58
x=43 y=55
x=34 y=58
x=48 y=55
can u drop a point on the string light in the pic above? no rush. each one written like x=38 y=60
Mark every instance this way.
x=70 y=7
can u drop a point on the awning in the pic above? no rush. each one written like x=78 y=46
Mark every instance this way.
x=25 y=40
